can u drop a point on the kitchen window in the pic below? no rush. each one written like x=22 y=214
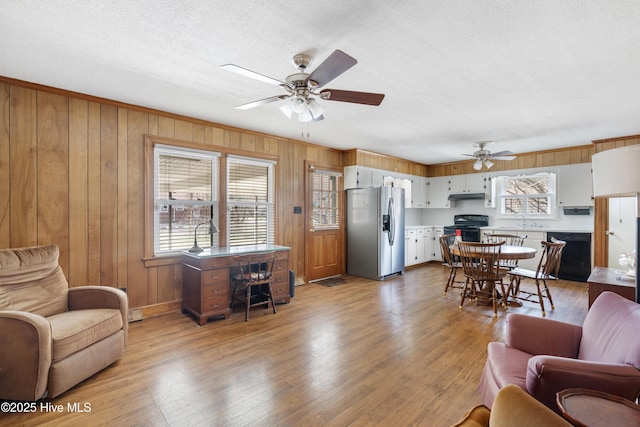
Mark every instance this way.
x=532 y=196
x=185 y=195
x=250 y=201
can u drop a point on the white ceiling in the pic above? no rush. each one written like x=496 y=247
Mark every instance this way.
x=531 y=75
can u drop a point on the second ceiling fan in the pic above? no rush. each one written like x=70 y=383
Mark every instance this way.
x=485 y=157
x=303 y=88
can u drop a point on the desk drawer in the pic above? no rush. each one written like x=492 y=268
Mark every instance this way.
x=216 y=262
x=218 y=275
x=215 y=289
x=281 y=255
x=280 y=266
x=215 y=303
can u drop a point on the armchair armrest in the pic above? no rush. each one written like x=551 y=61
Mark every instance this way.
x=536 y=335
x=547 y=375
x=24 y=365
x=87 y=297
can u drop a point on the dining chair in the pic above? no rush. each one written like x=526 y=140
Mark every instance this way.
x=508 y=239
x=547 y=270
x=481 y=267
x=252 y=282
x=450 y=260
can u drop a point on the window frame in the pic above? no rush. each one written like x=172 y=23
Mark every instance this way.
x=501 y=195
x=150 y=259
x=269 y=204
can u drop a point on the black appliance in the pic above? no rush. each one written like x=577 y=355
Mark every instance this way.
x=575 y=263
x=468 y=226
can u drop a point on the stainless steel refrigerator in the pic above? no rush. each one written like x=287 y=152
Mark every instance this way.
x=375 y=232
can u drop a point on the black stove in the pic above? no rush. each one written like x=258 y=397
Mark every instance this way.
x=467 y=226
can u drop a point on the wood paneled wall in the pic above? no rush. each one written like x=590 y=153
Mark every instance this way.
x=71 y=173
x=563 y=156
x=380 y=161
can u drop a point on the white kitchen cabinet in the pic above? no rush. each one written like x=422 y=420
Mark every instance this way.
x=410 y=247
x=575 y=185
x=377 y=177
x=436 y=255
x=438 y=192
x=419 y=194
x=469 y=183
x=429 y=249
x=421 y=238
x=357 y=177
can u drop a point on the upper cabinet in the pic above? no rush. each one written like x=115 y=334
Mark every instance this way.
x=357 y=177
x=575 y=185
x=419 y=193
x=438 y=192
x=470 y=183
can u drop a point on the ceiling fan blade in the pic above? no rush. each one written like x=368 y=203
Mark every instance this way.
x=502 y=157
x=252 y=74
x=260 y=102
x=501 y=153
x=366 y=98
x=337 y=63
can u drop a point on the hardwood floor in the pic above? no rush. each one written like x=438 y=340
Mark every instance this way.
x=361 y=353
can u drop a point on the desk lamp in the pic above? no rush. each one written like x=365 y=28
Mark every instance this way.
x=616 y=173
x=212 y=229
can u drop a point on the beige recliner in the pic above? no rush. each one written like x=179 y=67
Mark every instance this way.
x=51 y=336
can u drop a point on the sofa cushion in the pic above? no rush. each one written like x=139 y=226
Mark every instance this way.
x=31 y=280
x=610 y=330
x=74 y=330
x=507 y=365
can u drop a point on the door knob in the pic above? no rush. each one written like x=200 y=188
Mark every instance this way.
x=609 y=233
x=311 y=230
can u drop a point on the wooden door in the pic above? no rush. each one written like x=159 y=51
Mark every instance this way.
x=325 y=231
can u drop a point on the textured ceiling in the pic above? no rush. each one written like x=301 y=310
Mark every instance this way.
x=531 y=75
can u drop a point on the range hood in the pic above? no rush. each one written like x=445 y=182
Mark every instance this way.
x=466 y=196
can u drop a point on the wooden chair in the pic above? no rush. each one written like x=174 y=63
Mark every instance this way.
x=252 y=283
x=547 y=270
x=508 y=239
x=450 y=260
x=481 y=266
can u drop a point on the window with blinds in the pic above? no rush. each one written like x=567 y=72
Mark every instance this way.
x=250 y=206
x=327 y=188
x=185 y=195
x=532 y=195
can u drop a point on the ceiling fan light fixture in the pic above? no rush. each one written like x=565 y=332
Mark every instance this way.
x=286 y=110
x=315 y=108
x=488 y=163
x=305 y=117
x=299 y=104
x=477 y=165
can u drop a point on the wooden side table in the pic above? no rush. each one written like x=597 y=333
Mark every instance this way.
x=606 y=279
x=591 y=408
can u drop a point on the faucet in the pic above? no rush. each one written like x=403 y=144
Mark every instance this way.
x=523 y=220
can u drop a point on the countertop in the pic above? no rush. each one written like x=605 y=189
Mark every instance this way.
x=413 y=227
x=543 y=229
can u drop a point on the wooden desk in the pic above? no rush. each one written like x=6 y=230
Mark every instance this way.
x=508 y=252
x=591 y=408
x=206 y=279
x=607 y=279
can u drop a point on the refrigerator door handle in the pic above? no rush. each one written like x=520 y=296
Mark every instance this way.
x=392 y=222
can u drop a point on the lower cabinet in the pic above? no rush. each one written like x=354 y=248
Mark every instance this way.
x=422 y=245
x=207 y=284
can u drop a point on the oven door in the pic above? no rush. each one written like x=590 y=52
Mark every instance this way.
x=470 y=234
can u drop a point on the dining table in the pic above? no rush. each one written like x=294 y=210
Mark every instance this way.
x=511 y=252
x=506 y=251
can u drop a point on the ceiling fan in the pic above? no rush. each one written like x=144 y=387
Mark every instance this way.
x=303 y=89
x=483 y=156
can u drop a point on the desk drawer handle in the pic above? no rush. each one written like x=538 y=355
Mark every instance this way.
x=214 y=276
x=215 y=291
x=214 y=305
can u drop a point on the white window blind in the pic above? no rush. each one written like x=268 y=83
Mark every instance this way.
x=250 y=201
x=185 y=195
x=327 y=189
x=532 y=195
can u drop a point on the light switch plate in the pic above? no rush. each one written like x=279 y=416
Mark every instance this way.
x=135 y=314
